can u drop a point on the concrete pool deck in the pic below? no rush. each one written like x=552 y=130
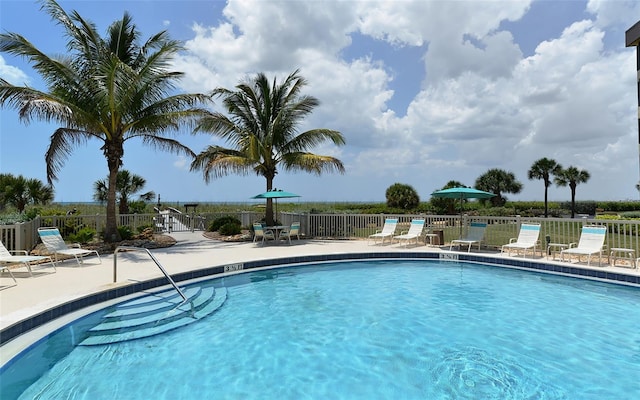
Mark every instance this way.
x=193 y=251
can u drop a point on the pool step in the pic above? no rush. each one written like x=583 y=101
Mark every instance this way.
x=155 y=314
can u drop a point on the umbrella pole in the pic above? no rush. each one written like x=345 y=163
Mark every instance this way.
x=461 y=209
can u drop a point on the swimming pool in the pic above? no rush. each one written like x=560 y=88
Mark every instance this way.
x=374 y=329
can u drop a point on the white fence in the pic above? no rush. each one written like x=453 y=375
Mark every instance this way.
x=334 y=226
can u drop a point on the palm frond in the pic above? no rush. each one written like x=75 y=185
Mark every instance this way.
x=166 y=144
x=313 y=138
x=63 y=141
x=216 y=161
x=312 y=163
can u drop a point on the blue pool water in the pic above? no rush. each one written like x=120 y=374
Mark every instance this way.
x=367 y=330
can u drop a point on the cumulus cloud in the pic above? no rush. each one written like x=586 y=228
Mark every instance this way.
x=13 y=75
x=482 y=105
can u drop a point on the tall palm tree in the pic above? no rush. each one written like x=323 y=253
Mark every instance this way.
x=127 y=184
x=498 y=181
x=19 y=191
x=262 y=129
x=110 y=89
x=572 y=176
x=543 y=169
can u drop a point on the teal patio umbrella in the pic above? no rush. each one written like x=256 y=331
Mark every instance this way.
x=462 y=193
x=275 y=194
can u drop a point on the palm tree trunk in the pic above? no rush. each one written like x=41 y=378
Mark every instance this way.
x=111 y=227
x=269 y=210
x=546 y=207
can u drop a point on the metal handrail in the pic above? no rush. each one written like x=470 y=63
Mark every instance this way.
x=155 y=260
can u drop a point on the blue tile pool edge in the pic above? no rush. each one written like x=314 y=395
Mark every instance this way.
x=24 y=326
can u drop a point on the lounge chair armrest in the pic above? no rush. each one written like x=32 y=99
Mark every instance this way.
x=76 y=245
x=512 y=240
x=23 y=252
x=572 y=245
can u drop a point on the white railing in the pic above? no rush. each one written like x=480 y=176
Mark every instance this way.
x=620 y=233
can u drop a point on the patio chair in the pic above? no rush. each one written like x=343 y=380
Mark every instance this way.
x=475 y=235
x=527 y=239
x=259 y=233
x=414 y=232
x=6 y=268
x=287 y=233
x=591 y=242
x=9 y=257
x=387 y=231
x=56 y=245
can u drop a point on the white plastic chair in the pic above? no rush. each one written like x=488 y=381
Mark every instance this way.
x=259 y=233
x=591 y=242
x=527 y=239
x=287 y=233
x=414 y=232
x=10 y=257
x=475 y=235
x=54 y=242
x=387 y=231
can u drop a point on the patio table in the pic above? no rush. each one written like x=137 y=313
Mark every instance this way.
x=277 y=229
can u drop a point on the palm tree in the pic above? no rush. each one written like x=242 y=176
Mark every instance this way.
x=498 y=181
x=403 y=196
x=112 y=89
x=19 y=191
x=127 y=184
x=262 y=128
x=543 y=169
x=572 y=176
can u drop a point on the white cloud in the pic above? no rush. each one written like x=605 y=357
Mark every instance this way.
x=13 y=75
x=620 y=13
x=483 y=104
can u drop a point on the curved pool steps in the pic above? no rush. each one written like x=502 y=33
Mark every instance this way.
x=155 y=314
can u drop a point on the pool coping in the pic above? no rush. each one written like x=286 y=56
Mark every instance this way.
x=536 y=265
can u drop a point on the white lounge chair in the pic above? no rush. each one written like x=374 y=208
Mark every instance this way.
x=475 y=235
x=528 y=238
x=56 y=245
x=5 y=268
x=387 y=231
x=287 y=233
x=9 y=257
x=259 y=233
x=414 y=232
x=591 y=242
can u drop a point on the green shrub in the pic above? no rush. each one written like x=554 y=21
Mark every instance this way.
x=230 y=228
x=400 y=195
x=630 y=215
x=84 y=235
x=619 y=206
x=582 y=207
x=141 y=228
x=13 y=218
x=125 y=232
x=137 y=207
x=219 y=222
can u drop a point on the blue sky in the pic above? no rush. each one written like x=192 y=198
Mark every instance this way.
x=423 y=91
